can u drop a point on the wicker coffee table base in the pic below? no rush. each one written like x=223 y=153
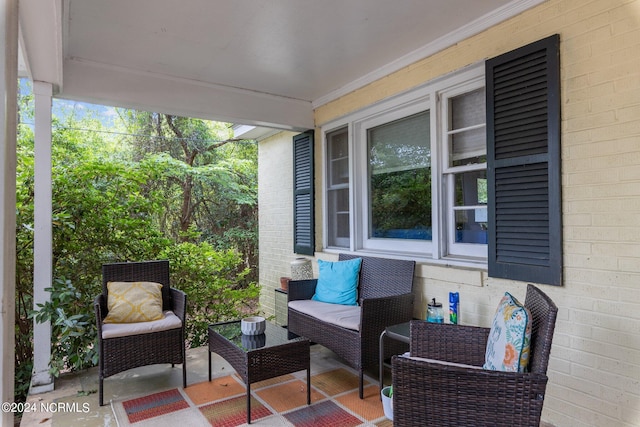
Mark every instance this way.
x=262 y=363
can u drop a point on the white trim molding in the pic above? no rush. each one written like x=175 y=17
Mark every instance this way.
x=481 y=24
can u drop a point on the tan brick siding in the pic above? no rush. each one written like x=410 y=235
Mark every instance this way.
x=275 y=196
x=595 y=367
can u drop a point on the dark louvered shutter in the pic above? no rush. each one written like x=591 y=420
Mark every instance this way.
x=523 y=163
x=303 y=242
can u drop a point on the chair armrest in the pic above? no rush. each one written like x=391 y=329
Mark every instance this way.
x=451 y=343
x=179 y=299
x=100 y=307
x=378 y=313
x=454 y=395
x=301 y=289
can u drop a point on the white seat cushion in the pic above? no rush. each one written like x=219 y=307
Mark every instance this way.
x=113 y=330
x=441 y=362
x=345 y=316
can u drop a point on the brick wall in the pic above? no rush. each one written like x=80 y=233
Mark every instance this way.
x=595 y=366
x=275 y=196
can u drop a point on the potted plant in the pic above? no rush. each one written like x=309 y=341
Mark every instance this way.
x=387 y=401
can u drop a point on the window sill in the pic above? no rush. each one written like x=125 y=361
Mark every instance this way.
x=469 y=263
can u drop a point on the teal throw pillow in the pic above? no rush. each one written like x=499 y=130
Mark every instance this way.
x=338 y=282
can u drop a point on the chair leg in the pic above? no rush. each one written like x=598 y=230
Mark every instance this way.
x=184 y=374
x=361 y=386
x=100 y=390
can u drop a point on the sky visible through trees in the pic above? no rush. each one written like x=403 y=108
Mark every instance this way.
x=133 y=186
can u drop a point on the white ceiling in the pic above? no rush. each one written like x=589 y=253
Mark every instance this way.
x=264 y=62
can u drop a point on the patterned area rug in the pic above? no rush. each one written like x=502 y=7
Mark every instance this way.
x=281 y=401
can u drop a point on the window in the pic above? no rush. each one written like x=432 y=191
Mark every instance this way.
x=393 y=204
x=418 y=168
x=464 y=173
x=399 y=179
x=338 y=189
x=457 y=169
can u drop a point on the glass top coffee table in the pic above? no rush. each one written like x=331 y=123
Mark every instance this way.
x=260 y=357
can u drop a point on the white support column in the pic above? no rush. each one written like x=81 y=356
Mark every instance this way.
x=41 y=380
x=8 y=123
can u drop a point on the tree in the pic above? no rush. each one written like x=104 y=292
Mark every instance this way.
x=209 y=180
x=113 y=201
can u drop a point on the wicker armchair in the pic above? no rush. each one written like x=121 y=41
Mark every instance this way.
x=122 y=353
x=385 y=298
x=447 y=395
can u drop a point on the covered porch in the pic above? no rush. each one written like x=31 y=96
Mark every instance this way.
x=266 y=66
x=74 y=402
x=336 y=67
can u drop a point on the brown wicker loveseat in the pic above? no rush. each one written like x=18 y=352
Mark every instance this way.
x=121 y=353
x=384 y=297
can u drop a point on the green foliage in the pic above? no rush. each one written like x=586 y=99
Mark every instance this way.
x=104 y=213
x=122 y=198
x=24 y=263
x=401 y=200
x=207 y=183
x=72 y=326
x=22 y=380
x=215 y=284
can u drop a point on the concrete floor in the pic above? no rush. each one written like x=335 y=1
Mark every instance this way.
x=74 y=401
x=78 y=391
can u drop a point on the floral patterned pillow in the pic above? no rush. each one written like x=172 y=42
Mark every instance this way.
x=510 y=337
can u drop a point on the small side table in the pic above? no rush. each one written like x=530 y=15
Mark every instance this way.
x=398 y=332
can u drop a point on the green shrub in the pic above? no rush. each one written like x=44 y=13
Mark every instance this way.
x=73 y=328
x=215 y=284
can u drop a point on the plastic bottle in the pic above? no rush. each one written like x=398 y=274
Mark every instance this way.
x=454 y=298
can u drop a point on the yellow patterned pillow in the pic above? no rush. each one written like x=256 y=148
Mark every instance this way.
x=132 y=302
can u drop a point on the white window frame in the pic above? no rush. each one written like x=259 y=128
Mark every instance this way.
x=361 y=129
x=453 y=249
x=429 y=96
x=326 y=220
x=331 y=217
